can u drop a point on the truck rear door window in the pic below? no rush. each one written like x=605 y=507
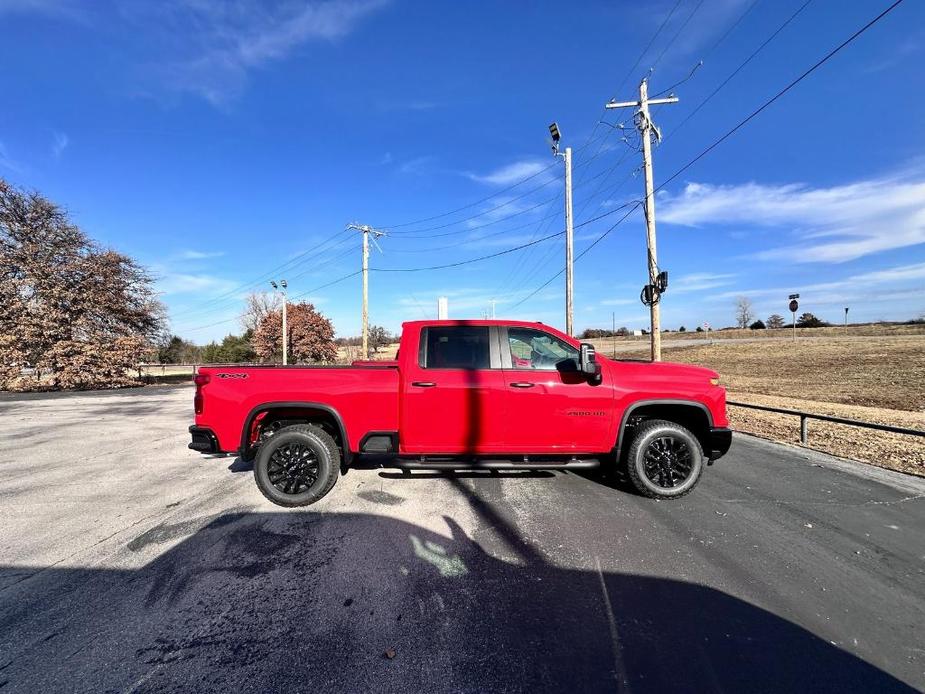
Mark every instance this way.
x=455 y=347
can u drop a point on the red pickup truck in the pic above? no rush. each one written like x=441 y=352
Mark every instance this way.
x=468 y=394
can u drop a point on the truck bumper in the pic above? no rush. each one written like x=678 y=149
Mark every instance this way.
x=204 y=440
x=719 y=442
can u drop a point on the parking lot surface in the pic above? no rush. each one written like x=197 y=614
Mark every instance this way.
x=129 y=563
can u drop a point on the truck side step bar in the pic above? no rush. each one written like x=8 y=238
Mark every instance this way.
x=488 y=464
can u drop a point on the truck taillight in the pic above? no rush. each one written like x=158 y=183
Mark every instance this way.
x=200 y=380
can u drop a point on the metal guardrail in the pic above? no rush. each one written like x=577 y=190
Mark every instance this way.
x=805 y=416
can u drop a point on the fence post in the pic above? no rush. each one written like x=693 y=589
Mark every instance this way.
x=804 y=434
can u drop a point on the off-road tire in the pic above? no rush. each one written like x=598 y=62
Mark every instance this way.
x=658 y=429
x=320 y=443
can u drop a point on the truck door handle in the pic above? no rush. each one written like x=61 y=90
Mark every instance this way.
x=522 y=384
x=423 y=384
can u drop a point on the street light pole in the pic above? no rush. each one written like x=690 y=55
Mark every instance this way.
x=282 y=292
x=569 y=245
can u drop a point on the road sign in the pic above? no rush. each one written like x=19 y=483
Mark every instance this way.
x=794 y=306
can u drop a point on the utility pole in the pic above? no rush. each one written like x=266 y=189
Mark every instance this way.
x=493 y=302
x=613 y=332
x=647 y=130
x=569 y=246
x=282 y=292
x=366 y=230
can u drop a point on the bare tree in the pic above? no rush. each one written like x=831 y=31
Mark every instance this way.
x=744 y=312
x=258 y=305
x=72 y=315
x=378 y=338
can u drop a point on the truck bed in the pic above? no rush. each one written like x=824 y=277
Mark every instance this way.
x=365 y=395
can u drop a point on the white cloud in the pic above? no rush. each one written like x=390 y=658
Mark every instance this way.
x=199 y=255
x=511 y=173
x=184 y=283
x=833 y=224
x=231 y=39
x=7 y=162
x=60 y=143
x=863 y=283
x=698 y=282
x=416 y=166
x=53 y=9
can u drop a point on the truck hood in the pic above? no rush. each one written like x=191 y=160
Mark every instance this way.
x=671 y=371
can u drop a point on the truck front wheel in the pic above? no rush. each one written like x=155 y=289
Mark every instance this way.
x=665 y=460
x=297 y=466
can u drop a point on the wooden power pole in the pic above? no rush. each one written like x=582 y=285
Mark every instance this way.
x=647 y=130
x=366 y=230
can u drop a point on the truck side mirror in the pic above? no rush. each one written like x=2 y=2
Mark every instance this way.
x=587 y=362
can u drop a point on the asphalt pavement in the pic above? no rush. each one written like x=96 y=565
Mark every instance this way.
x=129 y=563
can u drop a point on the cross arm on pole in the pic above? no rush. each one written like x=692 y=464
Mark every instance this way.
x=666 y=100
x=621 y=104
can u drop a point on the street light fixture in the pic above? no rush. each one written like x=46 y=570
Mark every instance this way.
x=556 y=136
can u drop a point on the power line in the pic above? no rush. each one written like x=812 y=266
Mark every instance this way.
x=822 y=61
x=628 y=74
x=467 y=262
x=739 y=68
x=828 y=56
x=301 y=257
x=730 y=29
x=579 y=256
x=483 y=237
x=471 y=204
x=649 y=45
x=674 y=38
x=296 y=296
x=411 y=235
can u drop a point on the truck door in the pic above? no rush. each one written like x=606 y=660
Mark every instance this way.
x=453 y=393
x=550 y=407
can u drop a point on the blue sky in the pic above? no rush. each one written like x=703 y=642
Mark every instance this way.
x=218 y=141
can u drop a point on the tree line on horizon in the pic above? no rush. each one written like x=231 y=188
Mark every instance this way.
x=77 y=315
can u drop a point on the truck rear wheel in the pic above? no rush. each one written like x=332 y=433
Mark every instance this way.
x=297 y=466
x=665 y=460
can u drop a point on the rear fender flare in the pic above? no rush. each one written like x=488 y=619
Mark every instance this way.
x=295 y=404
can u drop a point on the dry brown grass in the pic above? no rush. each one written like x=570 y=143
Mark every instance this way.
x=877 y=379
x=854 y=330
x=886 y=372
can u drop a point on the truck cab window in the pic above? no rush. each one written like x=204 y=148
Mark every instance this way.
x=455 y=347
x=534 y=349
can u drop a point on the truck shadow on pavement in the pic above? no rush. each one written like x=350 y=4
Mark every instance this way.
x=296 y=601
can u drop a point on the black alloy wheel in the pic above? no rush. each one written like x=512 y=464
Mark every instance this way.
x=668 y=461
x=293 y=468
x=664 y=460
x=297 y=465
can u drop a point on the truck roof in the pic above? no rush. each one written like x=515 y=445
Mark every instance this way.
x=474 y=321
x=489 y=322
